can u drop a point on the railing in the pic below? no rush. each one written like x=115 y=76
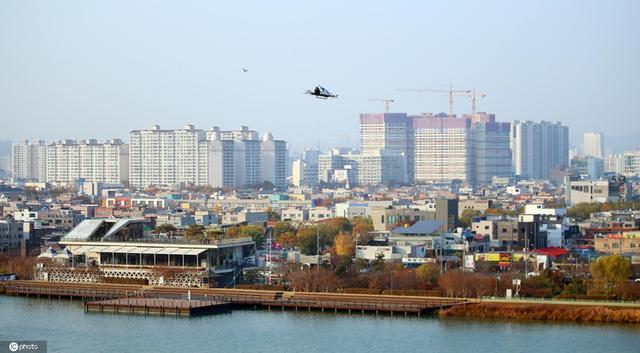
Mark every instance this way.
x=530 y=300
x=64 y=292
x=185 y=241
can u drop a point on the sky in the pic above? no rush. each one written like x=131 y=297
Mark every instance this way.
x=90 y=69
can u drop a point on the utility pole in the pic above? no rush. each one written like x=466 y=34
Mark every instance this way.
x=318 y=244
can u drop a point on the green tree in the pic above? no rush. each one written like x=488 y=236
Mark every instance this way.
x=427 y=275
x=166 y=228
x=608 y=272
x=466 y=217
x=194 y=230
x=255 y=232
x=377 y=265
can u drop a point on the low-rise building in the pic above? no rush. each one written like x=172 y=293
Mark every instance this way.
x=625 y=243
x=318 y=214
x=294 y=214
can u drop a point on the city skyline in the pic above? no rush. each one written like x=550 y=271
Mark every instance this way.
x=99 y=65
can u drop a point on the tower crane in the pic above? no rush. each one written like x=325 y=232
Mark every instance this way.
x=473 y=94
x=451 y=93
x=386 y=102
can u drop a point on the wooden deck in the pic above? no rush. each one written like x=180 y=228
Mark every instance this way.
x=236 y=298
x=158 y=306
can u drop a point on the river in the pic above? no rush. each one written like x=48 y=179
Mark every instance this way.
x=67 y=328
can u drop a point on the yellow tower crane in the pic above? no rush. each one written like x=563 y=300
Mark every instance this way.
x=386 y=102
x=450 y=92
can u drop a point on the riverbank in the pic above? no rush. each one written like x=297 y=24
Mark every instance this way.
x=544 y=312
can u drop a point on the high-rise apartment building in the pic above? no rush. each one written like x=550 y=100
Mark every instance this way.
x=389 y=135
x=28 y=161
x=442 y=148
x=167 y=157
x=538 y=148
x=491 y=152
x=213 y=157
x=631 y=163
x=587 y=167
x=593 y=144
x=614 y=163
x=437 y=148
x=87 y=160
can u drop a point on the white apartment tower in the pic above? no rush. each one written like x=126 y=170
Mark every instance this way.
x=197 y=157
x=441 y=147
x=538 y=148
x=167 y=157
x=389 y=135
x=593 y=144
x=28 y=161
x=69 y=161
x=631 y=163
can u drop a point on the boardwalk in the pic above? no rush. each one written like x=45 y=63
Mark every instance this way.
x=360 y=303
x=158 y=306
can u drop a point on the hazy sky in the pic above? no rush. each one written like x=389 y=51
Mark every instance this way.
x=88 y=69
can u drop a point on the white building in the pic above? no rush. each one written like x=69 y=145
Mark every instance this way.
x=614 y=163
x=538 y=148
x=28 y=161
x=212 y=157
x=70 y=161
x=631 y=163
x=442 y=150
x=593 y=144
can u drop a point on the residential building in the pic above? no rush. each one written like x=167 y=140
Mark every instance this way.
x=28 y=161
x=389 y=134
x=213 y=157
x=442 y=149
x=11 y=233
x=538 y=148
x=593 y=144
x=624 y=244
x=632 y=163
x=614 y=189
x=588 y=167
x=614 y=163
x=87 y=161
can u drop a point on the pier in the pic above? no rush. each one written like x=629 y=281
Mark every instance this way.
x=152 y=300
x=158 y=306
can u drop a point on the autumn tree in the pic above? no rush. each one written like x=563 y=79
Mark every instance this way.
x=166 y=228
x=314 y=280
x=194 y=231
x=255 y=232
x=608 y=272
x=344 y=245
x=427 y=275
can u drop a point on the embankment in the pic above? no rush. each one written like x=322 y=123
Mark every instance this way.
x=544 y=312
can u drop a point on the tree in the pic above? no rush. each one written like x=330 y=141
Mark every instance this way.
x=166 y=228
x=466 y=217
x=608 y=272
x=255 y=232
x=344 y=245
x=361 y=225
x=194 y=230
x=427 y=275
x=377 y=265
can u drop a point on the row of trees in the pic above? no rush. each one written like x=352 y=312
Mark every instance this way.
x=585 y=209
x=609 y=280
x=335 y=234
